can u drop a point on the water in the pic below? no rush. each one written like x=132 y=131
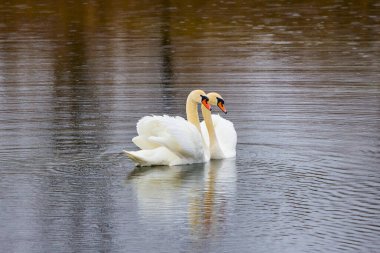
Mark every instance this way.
x=301 y=82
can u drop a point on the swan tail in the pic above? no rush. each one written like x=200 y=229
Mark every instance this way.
x=158 y=156
x=135 y=158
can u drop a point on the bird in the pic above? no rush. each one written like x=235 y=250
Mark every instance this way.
x=168 y=140
x=218 y=133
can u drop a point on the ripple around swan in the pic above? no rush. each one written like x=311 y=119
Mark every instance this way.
x=301 y=84
x=324 y=199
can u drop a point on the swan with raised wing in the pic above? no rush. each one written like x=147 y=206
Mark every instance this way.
x=218 y=133
x=166 y=140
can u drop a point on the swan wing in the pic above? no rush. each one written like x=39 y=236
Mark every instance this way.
x=226 y=134
x=174 y=133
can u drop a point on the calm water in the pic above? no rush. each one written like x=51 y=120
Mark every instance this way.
x=302 y=85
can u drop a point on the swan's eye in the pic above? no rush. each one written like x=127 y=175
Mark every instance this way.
x=219 y=100
x=204 y=102
x=204 y=98
x=220 y=103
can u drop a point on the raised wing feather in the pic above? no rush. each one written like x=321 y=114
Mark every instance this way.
x=174 y=133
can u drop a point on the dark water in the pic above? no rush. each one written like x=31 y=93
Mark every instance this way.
x=301 y=82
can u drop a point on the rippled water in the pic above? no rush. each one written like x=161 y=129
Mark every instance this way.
x=302 y=85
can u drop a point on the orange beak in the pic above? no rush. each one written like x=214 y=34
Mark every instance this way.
x=206 y=104
x=222 y=107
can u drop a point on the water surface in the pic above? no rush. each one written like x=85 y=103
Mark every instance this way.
x=301 y=82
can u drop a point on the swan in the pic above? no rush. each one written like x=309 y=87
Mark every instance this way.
x=218 y=133
x=166 y=140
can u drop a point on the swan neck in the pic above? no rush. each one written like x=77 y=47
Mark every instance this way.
x=210 y=126
x=192 y=113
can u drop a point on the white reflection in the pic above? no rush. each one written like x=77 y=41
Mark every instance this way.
x=200 y=196
x=210 y=210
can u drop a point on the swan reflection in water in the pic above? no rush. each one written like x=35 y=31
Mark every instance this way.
x=200 y=196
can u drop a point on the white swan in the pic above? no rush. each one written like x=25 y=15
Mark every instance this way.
x=166 y=140
x=219 y=133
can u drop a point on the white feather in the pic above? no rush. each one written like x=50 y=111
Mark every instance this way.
x=226 y=137
x=166 y=140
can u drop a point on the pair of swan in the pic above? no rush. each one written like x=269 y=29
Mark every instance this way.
x=166 y=140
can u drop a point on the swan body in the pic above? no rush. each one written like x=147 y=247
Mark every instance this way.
x=218 y=133
x=166 y=140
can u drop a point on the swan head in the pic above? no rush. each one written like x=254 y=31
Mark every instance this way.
x=217 y=99
x=199 y=96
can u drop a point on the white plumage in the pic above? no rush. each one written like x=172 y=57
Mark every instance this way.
x=166 y=140
x=224 y=145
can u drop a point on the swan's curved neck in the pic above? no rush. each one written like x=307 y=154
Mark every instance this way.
x=210 y=127
x=193 y=118
x=192 y=113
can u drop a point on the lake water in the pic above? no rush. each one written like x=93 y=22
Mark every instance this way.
x=301 y=81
